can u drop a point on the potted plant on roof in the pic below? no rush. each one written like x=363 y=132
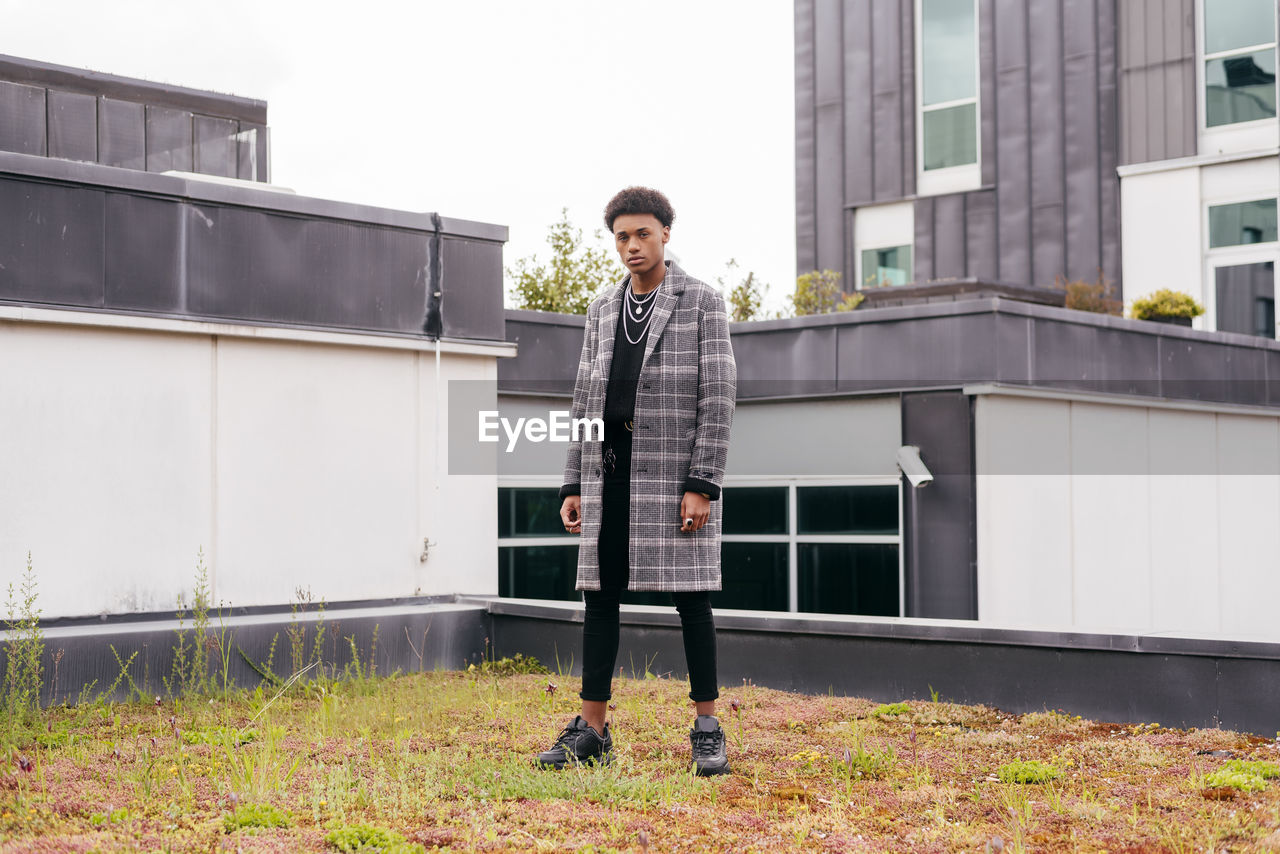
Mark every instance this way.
x=1166 y=306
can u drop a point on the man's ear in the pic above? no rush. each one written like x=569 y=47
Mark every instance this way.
x=666 y=233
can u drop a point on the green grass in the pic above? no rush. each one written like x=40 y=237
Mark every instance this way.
x=1030 y=771
x=444 y=761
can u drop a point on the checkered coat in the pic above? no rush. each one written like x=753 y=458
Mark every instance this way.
x=685 y=399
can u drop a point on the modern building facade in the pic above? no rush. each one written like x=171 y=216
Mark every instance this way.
x=1030 y=142
x=194 y=361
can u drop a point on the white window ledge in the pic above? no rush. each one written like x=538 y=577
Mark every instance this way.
x=1194 y=160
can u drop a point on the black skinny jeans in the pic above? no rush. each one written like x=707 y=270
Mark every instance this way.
x=600 y=625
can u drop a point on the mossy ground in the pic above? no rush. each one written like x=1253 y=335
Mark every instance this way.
x=444 y=760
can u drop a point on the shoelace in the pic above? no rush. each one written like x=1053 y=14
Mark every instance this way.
x=707 y=743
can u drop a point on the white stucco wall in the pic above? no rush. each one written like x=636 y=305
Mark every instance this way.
x=304 y=461
x=1127 y=518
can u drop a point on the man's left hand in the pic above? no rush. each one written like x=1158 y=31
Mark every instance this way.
x=694 y=506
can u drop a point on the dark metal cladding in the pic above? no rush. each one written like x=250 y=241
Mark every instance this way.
x=45 y=75
x=122 y=134
x=829 y=151
x=143 y=263
x=1114 y=678
x=51 y=243
x=73 y=126
x=70 y=113
x=79 y=235
x=549 y=345
x=1048 y=203
x=251 y=265
x=473 y=278
x=940 y=520
x=934 y=344
x=168 y=139
x=1157 y=80
x=216 y=150
x=22 y=125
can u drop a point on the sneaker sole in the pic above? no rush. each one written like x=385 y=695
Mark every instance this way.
x=560 y=766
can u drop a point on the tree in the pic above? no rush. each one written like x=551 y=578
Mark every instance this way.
x=575 y=274
x=746 y=298
x=818 y=292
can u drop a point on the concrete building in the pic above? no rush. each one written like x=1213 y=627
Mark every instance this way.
x=194 y=359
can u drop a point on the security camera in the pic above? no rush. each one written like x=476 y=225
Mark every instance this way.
x=913 y=467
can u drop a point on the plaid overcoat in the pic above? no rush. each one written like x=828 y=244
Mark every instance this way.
x=685 y=398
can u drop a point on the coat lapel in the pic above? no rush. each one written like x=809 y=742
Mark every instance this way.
x=668 y=295
x=609 y=326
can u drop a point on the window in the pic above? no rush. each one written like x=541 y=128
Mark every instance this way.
x=785 y=546
x=882 y=238
x=1239 y=61
x=1242 y=223
x=890 y=266
x=947 y=95
x=1242 y=271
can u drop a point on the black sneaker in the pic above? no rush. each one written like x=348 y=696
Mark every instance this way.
x=709 y=754
x=579 y=743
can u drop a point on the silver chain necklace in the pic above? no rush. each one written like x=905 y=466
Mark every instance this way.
x=642 y=308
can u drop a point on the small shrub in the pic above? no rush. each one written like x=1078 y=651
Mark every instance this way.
x=254 y=815
x=513 y=666
x=1265 y=770
x=1165 y=303
x=365 y=837
x=1097 y=296
x=890 y=710
x=1031 y=771
x=1228 y=778
x=819 y=292
x=24 y=666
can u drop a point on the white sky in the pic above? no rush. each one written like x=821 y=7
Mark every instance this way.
x=496 y=110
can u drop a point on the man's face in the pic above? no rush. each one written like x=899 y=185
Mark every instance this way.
x=640 y=240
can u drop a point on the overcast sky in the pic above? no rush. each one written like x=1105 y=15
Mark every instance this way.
x=496 y=110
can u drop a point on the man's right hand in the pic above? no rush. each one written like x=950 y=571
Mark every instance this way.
x=571 y=514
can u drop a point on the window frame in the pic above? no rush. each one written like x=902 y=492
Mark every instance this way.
x=1236 y=136
x=792 y=539
x=952 y=179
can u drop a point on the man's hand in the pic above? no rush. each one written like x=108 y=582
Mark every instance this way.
x=696 y=507
x=571 y=514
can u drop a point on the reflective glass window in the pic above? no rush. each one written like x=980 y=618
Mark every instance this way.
x=847 y=510
x=1232 y=24
x=529 y=513
x=1239 y=61
x=849 y=578
x=538 y=572
x=754 y=576
x=754 y=510
x=1242 y=223
x=889 y=266
x=949 y=83
x=1246 y=299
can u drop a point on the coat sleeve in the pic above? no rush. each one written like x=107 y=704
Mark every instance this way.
x=573 y=458
x=717 y=394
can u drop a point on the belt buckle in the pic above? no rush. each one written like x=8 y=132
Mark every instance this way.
x=629 y=424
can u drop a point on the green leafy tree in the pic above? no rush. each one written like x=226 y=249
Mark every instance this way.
x=573 y=276
x=746 y=297
x=818 y=292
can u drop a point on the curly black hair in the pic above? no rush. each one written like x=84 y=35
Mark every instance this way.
x=639 y=200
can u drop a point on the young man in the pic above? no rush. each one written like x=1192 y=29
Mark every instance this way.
x=658 y=368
